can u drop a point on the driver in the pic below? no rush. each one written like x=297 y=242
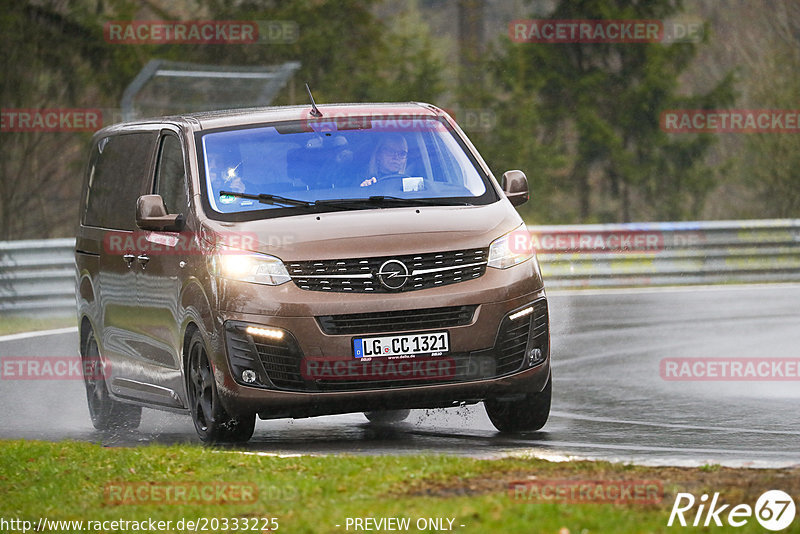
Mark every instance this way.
x=388 y=158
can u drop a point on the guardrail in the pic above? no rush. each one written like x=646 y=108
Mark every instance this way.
x=39 y=275
x=671 y=253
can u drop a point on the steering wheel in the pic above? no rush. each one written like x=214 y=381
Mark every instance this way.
x=391 y=177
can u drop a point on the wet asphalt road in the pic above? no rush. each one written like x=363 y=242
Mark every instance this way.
x=610 y=401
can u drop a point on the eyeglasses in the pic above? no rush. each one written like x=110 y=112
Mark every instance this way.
x=401 y=154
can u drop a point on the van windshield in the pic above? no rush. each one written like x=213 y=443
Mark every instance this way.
x=361 y=158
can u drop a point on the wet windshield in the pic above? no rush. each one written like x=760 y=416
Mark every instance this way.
x=406 y=159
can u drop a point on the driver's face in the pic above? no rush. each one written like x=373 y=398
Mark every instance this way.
x=392 y=157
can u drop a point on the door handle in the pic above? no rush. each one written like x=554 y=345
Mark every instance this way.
x=128 y=258
x=142 y=259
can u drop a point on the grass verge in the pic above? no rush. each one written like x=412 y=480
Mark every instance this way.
x=14 y=324
x=83 y=481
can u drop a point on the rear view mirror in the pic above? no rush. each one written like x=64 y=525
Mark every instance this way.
x=151 y=214
x=515 y=186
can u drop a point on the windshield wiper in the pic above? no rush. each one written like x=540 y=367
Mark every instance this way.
x=347 y=203
x=389 y=200
x=265 y=198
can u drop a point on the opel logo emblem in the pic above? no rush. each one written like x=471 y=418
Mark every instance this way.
x=393 y=274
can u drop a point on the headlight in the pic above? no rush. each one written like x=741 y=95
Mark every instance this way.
x=248 y=267
x=511 y=249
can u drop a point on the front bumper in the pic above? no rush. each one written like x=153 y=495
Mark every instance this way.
x=495 y=352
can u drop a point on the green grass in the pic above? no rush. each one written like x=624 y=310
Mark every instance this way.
x=66 y=480
x=13 y=324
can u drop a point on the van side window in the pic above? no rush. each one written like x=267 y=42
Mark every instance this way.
x=122 y=163
x=171 y=176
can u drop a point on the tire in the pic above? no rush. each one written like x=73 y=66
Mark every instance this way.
x=524 y=415
x=106 y=413
x=387 y=416
x=211 y=421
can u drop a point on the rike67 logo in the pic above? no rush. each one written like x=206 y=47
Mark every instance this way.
x=774 y=510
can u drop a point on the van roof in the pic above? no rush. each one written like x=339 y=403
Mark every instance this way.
x=205 y=120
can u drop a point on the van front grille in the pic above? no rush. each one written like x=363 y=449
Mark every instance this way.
x=361 y=275
x=396 y=321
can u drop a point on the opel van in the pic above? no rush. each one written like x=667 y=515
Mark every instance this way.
x=300 y=261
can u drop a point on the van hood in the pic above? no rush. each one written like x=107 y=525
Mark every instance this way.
x=372 y=232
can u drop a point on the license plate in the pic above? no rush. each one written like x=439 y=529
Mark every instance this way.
x=430 y=344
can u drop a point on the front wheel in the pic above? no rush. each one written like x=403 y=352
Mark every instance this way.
x=527 y=414
x=106 y=413
x=212 y=422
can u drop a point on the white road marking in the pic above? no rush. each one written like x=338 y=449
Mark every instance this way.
x=271 y=454
x=646 y=461
x=39 y=333
x=651 y=448
x=567 y=415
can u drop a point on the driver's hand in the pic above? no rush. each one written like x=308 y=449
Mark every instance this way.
x=369 y=181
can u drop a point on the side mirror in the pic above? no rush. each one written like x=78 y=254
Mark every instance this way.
x=515 y=186
x=151 y=214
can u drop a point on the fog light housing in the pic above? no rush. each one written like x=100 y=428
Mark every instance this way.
x=249 y=376
x=535 y=356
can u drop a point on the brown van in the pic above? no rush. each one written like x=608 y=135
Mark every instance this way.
x=302 y=261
